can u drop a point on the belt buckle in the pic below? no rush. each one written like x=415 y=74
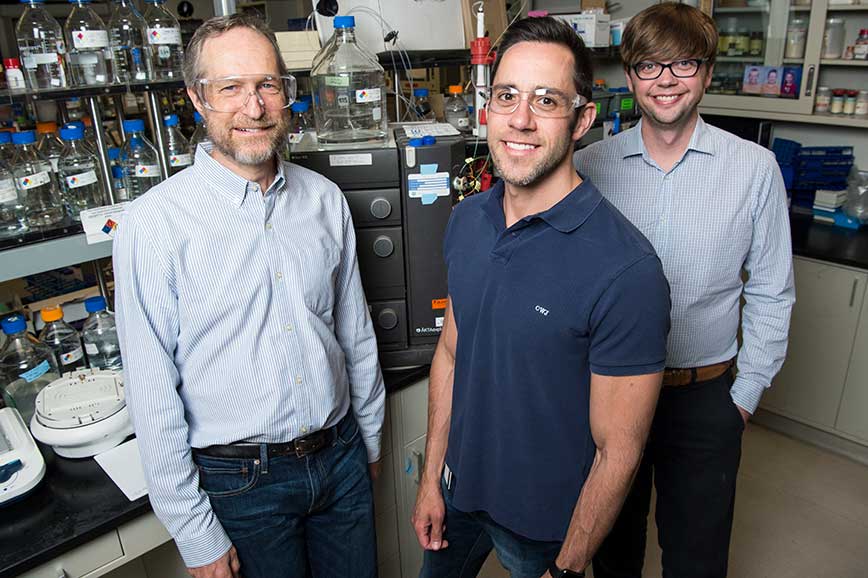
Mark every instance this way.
x=305 y=446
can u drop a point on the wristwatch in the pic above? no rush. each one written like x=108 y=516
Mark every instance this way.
x=556 y=572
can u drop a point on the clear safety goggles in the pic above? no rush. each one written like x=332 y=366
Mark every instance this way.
x=543 y=102
x=232 y=93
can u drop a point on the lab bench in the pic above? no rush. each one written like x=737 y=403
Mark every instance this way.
x=78 y=524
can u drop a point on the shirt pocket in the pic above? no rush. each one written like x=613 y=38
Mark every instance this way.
x=319 y=270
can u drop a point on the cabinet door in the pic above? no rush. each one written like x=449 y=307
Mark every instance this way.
x=853 y=415
x=780 y=73
x=828 y=300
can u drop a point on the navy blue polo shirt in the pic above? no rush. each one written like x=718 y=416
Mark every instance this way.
x=538 y=307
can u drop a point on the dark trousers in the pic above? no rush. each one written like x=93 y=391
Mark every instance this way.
x=292 y=517
x=692 y=455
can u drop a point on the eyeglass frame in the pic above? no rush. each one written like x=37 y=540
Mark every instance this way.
x=200 y=83
x=699 y=62
x=577 y=101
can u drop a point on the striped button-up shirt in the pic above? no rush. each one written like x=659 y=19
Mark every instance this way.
x=719 y=210
x=241 y=317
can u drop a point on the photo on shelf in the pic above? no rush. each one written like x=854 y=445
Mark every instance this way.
x=762 y=80
x=791 y=82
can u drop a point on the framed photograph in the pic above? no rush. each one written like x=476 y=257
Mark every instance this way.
x=753 y=79
x=791 y=81
x=771 y=80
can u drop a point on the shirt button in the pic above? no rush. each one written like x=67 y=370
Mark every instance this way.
x=268 y=226
x=298 y=379
x=303 y=429
x=279 y=275
x=289 y=327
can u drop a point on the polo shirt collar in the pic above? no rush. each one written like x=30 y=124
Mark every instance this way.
x=230 y=185
x=701 y=141
x=566 y=216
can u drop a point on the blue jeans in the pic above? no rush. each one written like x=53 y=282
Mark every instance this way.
x=471 y=537
x=292 y=517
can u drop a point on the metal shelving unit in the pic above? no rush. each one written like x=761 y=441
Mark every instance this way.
x=46 y=255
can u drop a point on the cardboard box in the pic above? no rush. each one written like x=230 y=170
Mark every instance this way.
x=588 y=5
x=592 y=27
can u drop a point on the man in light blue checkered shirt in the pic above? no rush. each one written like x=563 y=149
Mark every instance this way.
x=713 y=206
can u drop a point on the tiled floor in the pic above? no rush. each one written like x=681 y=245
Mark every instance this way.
x=800 y=511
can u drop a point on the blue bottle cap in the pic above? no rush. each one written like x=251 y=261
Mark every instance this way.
x=299 y=106
x=74 y=124
x=31 y=1
x=155 y=1
x=308 y=98
x=117 y=172
x=24 y=137
x=197 y=118
x=114 y=153
x=428 y=140
x=420 y=92
x=92 y=304
x=5 y=136
x=415 y=142
x=134 y=125
x=71 y=133
x=13 y=324
x=79 y=1
x=345 y=22
x=170 y=120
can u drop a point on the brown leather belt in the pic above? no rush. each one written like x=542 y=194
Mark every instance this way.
x=678 y=376
x=299 y=447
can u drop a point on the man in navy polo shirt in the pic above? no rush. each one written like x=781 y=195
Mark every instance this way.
x=548 y=369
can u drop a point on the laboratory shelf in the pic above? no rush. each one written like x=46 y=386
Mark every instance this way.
x=847 y=8
x=800 y=8
x=741 y=9
x=35 y=258
x=841 y=62
x=758 y=58
x=96 y=90
x=848 y=121
x=793 y=60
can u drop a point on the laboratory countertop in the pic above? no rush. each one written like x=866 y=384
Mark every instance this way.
x=77 y=502
x=828 y=242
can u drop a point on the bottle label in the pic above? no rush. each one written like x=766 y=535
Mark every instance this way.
x=8 y=193
x=81 y=179
x=164 y=35
x=35 y=373
x=147 y=171
x=71 y=356
x=377 y=113
x=15 y=79
x=463 y=122
x=339 y=81
x=31 y=61
x=181 y=160
x=36 y=180
x=368 y=95
x=90 y=39
x=295 y=137
x=91 y=348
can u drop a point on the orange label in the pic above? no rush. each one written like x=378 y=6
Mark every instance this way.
x=438 y=303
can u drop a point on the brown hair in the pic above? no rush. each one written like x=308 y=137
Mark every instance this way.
x=217 y=26
x=669 y=31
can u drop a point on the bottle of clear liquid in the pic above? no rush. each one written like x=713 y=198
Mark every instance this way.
x=177 y=147
x=130 y=50
x=26 y=366
x=48 y=144
x=88 y=42
x=199 y=135
x=100 y=336
x=423 y=104
x=350 y=89
x=36 y=182
x=7 y=149
x=78 y=172
x=41 y=46
x=117 y=169
x=455 y=109
x=141 y=164
x=13 y=219
x=63 y=340
x=164 y=37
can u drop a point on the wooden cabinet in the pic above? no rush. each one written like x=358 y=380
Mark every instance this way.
x=824 y=380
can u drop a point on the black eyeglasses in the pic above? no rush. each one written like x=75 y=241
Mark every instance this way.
x=687 y=68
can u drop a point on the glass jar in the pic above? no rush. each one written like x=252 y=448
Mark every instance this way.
x=756 y=43
x=823 y=100
x=862 y=103
x=833 y=38
x=797 y=34
x=742 y=42
x=850 y=101
x=837 y=106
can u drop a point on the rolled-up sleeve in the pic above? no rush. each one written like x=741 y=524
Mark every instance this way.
x=147 y=319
